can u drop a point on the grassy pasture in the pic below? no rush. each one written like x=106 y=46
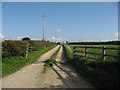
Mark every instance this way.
x=99 y=51
x=103 y=74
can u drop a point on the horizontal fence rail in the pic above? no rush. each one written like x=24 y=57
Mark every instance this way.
x=102 y=49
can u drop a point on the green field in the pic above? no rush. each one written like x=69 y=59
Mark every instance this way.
x=99 y=51
x=103 y=74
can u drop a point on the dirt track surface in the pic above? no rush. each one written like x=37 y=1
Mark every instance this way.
x=29 y=76
x=61 y=75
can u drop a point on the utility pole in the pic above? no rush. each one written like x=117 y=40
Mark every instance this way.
x=55 y=37
x=43 y=26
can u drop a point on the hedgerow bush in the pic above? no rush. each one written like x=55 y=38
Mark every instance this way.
x=39 y=44
x=12 y=48
x=18 y=48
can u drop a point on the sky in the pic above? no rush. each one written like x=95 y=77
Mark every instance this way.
x=60 y=0
x=72 y=21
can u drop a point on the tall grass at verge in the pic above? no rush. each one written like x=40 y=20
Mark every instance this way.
x=50 y=62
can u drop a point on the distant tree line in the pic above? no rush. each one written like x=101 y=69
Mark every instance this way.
x=95 y=43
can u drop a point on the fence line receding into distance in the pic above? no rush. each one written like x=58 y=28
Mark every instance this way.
x=103 y=53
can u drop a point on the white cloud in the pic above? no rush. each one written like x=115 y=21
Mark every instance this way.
x=1 y=36
x=59 y=39
x=34 y=39
x=59 y=30
x=117 y=34
x=19 y=38
x=53 y=38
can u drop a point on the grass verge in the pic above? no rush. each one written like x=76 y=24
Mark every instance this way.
x=12 y=64
x=49 y=63
x=99 y=74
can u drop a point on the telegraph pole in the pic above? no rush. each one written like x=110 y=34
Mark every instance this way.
x=43 y=26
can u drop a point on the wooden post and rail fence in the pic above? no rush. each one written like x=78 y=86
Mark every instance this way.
x=103 y=53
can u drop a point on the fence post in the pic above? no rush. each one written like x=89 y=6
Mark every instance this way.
x=85 y=51
x=27 y=51
x=74 y=52
x=103 y=53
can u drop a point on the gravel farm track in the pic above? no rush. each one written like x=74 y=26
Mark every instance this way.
x=61 y=75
